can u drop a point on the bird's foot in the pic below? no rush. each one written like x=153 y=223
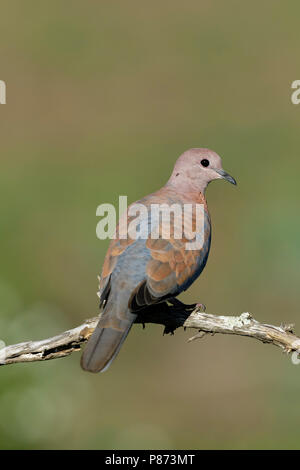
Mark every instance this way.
x=187 y=307
x=200 y=307
x=180 y=305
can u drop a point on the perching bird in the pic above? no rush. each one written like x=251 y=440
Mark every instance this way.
x=140 y=272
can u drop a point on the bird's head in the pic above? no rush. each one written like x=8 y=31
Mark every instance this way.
x=197 y=167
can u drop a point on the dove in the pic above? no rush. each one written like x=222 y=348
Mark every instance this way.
x=143 y=271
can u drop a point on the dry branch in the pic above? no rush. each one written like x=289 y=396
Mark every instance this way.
x=244 y=325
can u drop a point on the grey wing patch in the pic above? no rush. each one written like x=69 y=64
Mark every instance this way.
x=103 y=291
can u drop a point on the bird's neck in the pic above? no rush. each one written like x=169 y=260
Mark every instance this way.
x=194 y=193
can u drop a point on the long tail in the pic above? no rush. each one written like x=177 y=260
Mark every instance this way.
x=108 y=337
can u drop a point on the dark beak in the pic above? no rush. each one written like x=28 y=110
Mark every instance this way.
x=225 y=176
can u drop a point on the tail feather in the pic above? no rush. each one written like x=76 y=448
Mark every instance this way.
x=106 y=341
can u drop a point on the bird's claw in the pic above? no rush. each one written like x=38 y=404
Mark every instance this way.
x=201 y=307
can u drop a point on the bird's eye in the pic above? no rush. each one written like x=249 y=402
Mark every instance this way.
x=204 y=162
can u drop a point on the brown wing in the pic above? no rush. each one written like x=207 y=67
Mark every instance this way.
x=171 y=268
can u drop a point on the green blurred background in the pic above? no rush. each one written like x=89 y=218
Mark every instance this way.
x=102 y=97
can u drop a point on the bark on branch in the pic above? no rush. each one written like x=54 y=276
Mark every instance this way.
x=69 y=341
